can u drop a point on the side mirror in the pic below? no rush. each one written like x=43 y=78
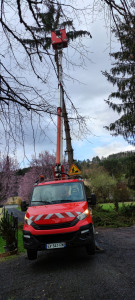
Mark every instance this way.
x=92 y=199
x=24 y=205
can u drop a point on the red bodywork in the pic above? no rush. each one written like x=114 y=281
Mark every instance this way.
x=57 y=213
x=57 y=209
x=58 y=218
x=59 y=41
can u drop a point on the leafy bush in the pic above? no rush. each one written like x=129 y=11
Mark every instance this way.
x=2 y=244
x=127 y=210
x=111 y=218
x=7 y=233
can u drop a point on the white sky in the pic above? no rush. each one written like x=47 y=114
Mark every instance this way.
x=89 y=98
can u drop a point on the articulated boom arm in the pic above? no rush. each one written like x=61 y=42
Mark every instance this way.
x=59 y=41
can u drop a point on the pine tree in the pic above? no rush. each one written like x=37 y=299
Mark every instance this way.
x=122 y=75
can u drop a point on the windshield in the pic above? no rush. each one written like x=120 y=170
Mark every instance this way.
x=58 y=193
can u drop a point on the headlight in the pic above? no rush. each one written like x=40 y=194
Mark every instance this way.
x=28 y=221
x=83 y=215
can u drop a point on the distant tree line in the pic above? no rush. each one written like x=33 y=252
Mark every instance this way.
x=112 y=179
x=120 y=166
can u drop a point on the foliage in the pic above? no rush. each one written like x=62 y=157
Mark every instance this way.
x=20 y=241
x=13 y=183
x=121 y=192
x=39 y=166
x=127 y=210
x=121 y=166
x=95 y=160
x=122 y=76
x=8 y=178
x=101 y=183
x=26 y=183
x=28 y=91
x=20 y=99
x=87 y=190
x=7 y=233
x=113 y=165
x=110 y=218
x=21 y=172
x=110 y=178
x=50 y=19
x=2 y=244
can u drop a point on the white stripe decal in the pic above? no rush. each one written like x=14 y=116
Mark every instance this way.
x=38 y=217
x=59 y=215
x=70 y=214
x=48 y=216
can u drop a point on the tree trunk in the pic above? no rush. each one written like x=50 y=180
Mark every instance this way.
x=69 y=149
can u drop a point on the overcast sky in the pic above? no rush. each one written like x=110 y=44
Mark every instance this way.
x=88 y=96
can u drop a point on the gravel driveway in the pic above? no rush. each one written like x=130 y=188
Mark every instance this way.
x=74 y=275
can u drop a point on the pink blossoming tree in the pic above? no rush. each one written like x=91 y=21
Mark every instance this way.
x=8 y=178
x=43 y=165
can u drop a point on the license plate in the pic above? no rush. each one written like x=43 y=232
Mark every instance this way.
x=55 y=245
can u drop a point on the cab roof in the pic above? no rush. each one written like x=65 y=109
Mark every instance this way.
x=59 y=181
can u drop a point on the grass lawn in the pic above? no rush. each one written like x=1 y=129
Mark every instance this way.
x=110 y=206
x=20 y=241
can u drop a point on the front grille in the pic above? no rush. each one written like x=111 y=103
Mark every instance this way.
x=55 y=238
x=55 y=226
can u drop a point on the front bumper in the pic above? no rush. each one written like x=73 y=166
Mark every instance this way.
x=81 y=237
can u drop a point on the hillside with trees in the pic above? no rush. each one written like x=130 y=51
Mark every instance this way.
x=112 y=179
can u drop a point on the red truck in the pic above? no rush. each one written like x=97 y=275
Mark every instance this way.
x=58 y=216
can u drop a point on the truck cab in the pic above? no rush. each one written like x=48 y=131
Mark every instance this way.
x=58 y=216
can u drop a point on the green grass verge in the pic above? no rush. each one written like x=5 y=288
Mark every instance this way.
x=20 y=239
x=2 y=244
x=19 y=208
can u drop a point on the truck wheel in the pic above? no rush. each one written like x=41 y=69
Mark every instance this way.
x=32 y=254
x=90 y=248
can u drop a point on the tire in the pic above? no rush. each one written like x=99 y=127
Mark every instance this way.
x=91 y=248
x=32 y=254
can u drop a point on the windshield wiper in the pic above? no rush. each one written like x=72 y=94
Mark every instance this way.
x=44 y=202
